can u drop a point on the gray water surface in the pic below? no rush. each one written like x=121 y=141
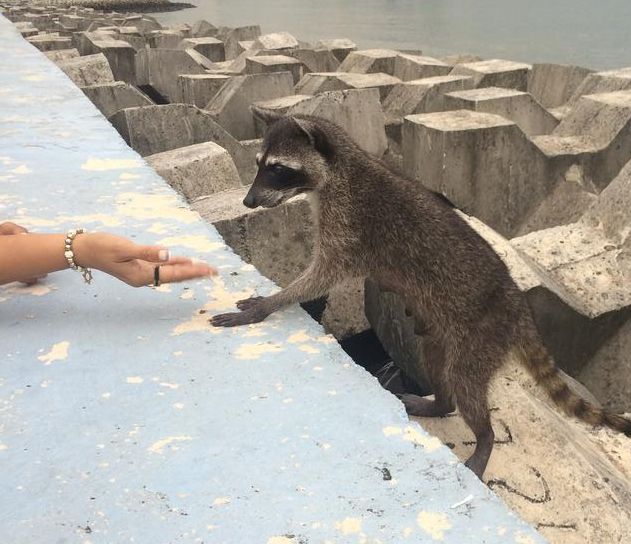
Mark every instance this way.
x=591 y=33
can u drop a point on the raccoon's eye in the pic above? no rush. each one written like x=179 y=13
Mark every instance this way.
x=282 y=169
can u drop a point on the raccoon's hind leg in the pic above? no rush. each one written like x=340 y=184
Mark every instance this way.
x=434 y=364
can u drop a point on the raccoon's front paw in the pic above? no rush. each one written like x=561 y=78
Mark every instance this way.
x=236 y=319
x=248 y=303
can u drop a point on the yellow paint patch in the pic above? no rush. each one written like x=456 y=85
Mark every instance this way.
x=414 y=435
x=128 y=176
x=521 y=538
x=110 y=164
x=308 y=348
x=158 y=447
x=22 y=169
x=349 y=526
x=178 y=406
x=170 y=385
x=254 y=351
x=407 y=532
x=222 y=300
x=434 y=524
x=187 y=295
x=134 y=379
x=58 y=352
x=254 y=331
x=159 y=228
x=164 y=288
x=280 y=540
x=219 y=501
x=198 y=243
x=178 y=353
x=300 y=336
x=161 y=206
x=3 y=447
x=33 y=77
x=36 y=290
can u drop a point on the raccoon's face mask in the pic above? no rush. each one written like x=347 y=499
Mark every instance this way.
x=291 y=163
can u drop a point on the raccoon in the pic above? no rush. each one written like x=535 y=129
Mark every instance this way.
x=373 y=222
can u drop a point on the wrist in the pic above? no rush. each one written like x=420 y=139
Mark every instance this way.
x=81 y=247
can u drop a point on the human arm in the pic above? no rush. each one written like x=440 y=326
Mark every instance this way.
x=33 y=255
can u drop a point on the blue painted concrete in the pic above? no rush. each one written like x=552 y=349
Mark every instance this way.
x=125 y=418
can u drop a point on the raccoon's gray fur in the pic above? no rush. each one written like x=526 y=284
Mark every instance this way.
x=375 y=223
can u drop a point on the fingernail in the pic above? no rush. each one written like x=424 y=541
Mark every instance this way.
x=163 y=254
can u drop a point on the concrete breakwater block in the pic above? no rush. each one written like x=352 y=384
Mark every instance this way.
x=210 y=47
x=358 y=111
x=203 y=29
x=277 y=105
x=464 y=155
x=121 y=56
x=370 y=61
x=268 y=64
x=161 y=68
x=315 y=60
x=315 y=83
x=155 y=129
x=410 y=67
x=602 y=82
x=62 y=54
x=50 y=42
x=340 y=47
x=277 y=41
x=196 y=170
x=496 y=73
x=231 y=105
x=110 y=98
x=234 y=36
x=552 y=85
x=518 y=106
x=199 y=89
x=88 y=70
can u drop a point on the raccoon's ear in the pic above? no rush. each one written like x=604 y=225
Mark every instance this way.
x=268 y=117
x=317 y=137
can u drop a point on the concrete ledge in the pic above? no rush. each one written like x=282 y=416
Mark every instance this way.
x=126 y=417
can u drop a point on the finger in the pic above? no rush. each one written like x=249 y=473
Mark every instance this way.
x=152 y=254
x=173 y=273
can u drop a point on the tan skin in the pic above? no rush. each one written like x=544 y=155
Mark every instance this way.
x=27 y=257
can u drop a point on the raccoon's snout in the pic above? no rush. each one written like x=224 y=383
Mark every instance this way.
x=250 y=201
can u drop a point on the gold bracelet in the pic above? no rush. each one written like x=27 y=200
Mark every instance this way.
x=69 y=254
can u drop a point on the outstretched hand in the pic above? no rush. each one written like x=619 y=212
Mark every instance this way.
x=134 y=264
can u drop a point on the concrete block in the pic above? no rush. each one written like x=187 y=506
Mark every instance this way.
x=50 y=42
x=496 y=73
x=133 y=37
x=603 y=82
x=358 y=111
x=277 y=41
x=166 y=38
x=315 y=83
x=278 y=105
x=340 y=47
x=423 y=95
x=552 y=85
x=410 y=67
x=203 y=29
x=211 y=48
x=155 y=129
x=230 y=106
x=121 y=56
x=233 y=36
x=112 y=97
x=62 y=54
x=88 y=70
x=517 y=106
x=315 y=60
x=481 y=162
x=199 y=89
x=370 y=61
x=84 y=41
x=196 y=170
x=161 y=68
x=266 y=64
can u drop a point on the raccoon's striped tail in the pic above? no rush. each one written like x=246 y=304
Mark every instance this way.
x=545 y=372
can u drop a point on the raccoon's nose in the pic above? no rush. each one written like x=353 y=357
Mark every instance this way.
x=249 y=201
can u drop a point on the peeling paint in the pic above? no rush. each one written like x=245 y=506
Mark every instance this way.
x=434 y=524
x=254 y=351
x=349 y=526
x=280 y=540
x=521 y=538
x=298 y=337
x=161 y=206
x=110 y=164
x=58 y=352
x=307 y=348
x=158 y=447
x=414 y=435
x=22 y=169
x=134 y=379
x=220 y=501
